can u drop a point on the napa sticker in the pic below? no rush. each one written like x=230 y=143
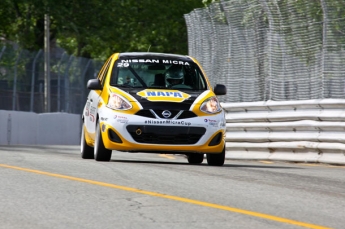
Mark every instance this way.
x=163 y=95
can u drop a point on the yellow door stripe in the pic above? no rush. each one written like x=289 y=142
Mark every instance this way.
x=176 y=198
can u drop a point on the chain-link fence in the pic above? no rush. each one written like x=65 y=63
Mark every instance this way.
x=271 y=49
x=22 y=80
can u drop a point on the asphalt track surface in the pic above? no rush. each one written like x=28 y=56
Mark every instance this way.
x=52 y=187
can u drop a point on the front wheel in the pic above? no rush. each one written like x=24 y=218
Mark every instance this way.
x=216 y=159
x=100 y=152
x=195 y=158
x=85 y=149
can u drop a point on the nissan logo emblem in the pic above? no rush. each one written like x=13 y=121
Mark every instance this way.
x=166 y=114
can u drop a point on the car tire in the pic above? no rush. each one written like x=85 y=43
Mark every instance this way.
x=216 y=159
x=195 y=158
x=85 y=149
x=100 y=152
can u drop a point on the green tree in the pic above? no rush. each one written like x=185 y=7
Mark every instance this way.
x=95 y=29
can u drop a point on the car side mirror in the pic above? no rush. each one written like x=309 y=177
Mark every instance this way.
x=94 y=84
x=220 y=89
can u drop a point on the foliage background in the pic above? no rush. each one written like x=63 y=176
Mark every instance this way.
x=96 y=28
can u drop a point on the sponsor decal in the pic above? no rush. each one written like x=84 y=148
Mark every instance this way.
x=210 y=120
x=163 y=95
x=214 y=124
x=125 y=63
x=120 y=117
x=87 y=112
x=168 y=122
x=92 y=118
x=123 y=121
x=92 y=113
x=104 y=119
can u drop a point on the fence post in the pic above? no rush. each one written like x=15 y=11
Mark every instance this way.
x=271 y=31
x=58 y=86
x=2 y=51
x=33 y=81
x=324 y=44
x=66 y=82
x=14 y=97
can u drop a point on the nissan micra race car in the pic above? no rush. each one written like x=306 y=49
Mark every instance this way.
x=153 y=103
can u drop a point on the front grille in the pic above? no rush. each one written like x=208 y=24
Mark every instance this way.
x=145 y=113
x=183 y=115
x=170 y=135
x=187 y=114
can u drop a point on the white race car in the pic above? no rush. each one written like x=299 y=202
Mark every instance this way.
x=154 y=103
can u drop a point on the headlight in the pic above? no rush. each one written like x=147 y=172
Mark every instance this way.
x=210 y=105
x=117 y=102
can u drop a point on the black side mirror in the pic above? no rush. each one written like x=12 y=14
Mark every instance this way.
x=220 y=89
x=94 y=84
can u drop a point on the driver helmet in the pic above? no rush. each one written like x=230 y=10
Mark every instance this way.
x=174 y=75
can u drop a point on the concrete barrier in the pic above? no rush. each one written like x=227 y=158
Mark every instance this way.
x=27 y=128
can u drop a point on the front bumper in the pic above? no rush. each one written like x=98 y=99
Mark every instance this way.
x=139 y=134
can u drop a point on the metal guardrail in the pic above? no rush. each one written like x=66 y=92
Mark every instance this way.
x=301 y=131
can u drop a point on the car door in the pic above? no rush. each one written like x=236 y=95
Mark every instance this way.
x=91 y=108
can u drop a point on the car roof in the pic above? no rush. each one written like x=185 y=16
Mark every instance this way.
x=154 y=55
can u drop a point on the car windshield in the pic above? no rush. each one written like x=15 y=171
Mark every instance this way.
x=157 y=73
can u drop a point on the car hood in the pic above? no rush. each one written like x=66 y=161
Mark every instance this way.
x=164 y=99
